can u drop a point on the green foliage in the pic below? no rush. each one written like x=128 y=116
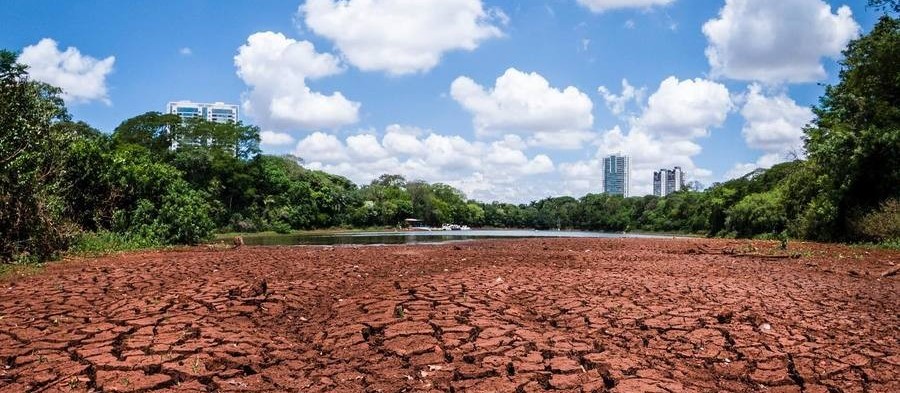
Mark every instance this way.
x=855 y=138
x=104 y=242
x=756 y=214
x=152 y=130
x=31 y=151
x=883 y=224
x=893 y=5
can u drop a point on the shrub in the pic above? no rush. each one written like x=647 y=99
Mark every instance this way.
x=103 y=242
x=281 y=227
x=757 y=214
x=185 y=214
x=883 y=224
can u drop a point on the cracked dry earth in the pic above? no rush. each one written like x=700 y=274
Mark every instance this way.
x=573 y=315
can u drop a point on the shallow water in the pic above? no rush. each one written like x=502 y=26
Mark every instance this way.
x=418 y=237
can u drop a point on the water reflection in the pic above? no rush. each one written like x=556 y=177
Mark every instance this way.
x=419 y=237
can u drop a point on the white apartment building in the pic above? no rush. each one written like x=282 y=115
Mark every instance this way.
x=218 y=112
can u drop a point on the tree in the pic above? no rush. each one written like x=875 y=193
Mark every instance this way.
x=152 y=130
x=757 y=214
x=893 y=5
x=854 y=140
x=31 y=152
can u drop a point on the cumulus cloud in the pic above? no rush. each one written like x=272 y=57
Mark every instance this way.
x=401 y=36
x=685 y=109
x=185 y=51
x=604 y=5
x=321 y=147
x=662 y=136
x=647 y=154
x=617 y=102
x=272 y=138
x=487 y=171
x=773 y=123
x=276 y=69
x=764 y=161
x=82 y=78
x=366 y=147
x=776 y=41
x=525 y=103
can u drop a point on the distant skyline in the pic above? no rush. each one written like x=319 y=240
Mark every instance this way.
x=505 y=100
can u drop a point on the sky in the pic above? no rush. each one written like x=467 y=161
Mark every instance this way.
x=506 y=100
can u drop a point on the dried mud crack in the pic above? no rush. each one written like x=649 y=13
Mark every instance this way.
x=572 y=315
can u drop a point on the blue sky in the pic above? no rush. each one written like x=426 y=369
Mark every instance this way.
x=501 y=99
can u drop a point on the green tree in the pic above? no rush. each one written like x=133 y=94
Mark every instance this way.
x=31 y=154
x=757 y=214
x=854 y=140
x=152 y=130
x=893 y=5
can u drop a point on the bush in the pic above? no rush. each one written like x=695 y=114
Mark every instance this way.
x=185 y=215
x=104 y=242
x=757 y=214
x=281 y=227
x=882 y=225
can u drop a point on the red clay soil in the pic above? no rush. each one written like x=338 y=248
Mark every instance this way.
x=575 y=315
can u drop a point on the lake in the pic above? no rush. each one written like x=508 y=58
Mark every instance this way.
x=421 y=237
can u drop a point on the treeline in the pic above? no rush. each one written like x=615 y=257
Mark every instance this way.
x=158 y=180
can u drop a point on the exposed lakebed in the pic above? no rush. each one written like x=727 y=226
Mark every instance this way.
x=528 y=315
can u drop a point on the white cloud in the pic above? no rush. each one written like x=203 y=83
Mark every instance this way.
x=497 y=170
x=764 y=161
x=662 y=136
x=525 y=103
x=400 y=143
x=322 y=147
x=276 y=69
x=604 y=5
x=739 y=169
x=82 y=78
x=776 y=41
x=773 y=123
x=366 y=147
x=685 y=109
x=272 y=138
x=563 y=139
x=616 y=103
x=401 y=36
x=185 y=51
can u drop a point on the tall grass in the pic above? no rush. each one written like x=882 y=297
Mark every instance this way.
x=105 y=242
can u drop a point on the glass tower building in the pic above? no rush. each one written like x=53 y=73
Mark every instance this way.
x=667 y=181
x=616 y=175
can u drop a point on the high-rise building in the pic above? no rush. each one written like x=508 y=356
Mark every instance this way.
x=218 y=112
x=616 y=175
x=667 y=181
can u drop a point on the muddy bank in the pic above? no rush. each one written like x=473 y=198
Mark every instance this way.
x=591 y=315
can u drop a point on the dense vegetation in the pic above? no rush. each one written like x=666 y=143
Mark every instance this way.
x=159 y=180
